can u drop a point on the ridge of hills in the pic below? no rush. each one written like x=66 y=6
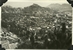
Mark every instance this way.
x=32 y=14
x=60 y=7
x=21 y=16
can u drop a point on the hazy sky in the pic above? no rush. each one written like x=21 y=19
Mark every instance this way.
x=24 y=3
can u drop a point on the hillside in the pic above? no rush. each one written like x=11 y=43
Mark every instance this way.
x=37 y=10
x=60 y=7
x=32 y=14
x=36 y=26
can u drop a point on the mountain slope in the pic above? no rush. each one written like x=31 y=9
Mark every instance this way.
x=28 y=16
x=60 y=7
x=36 y=10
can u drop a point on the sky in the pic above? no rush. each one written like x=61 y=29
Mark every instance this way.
x=25 y=3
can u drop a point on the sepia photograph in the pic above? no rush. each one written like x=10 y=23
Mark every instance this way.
x=36 y=25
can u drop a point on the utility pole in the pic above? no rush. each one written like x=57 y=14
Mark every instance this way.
x=72 y=26
x=0 y=25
